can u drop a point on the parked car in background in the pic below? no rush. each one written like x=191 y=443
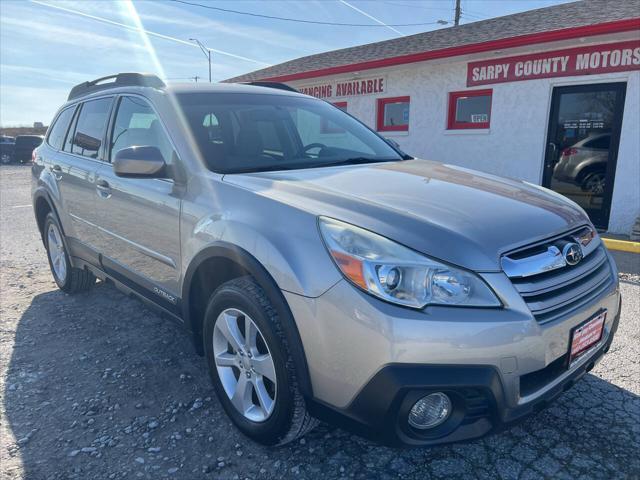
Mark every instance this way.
x=584 y=163
x=24 y=146
x=7 y=145
x=324 y=275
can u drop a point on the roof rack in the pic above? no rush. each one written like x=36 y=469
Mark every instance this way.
x=276 y=85
x=114 y=81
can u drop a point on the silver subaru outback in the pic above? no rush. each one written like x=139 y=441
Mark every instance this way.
x=322 y=272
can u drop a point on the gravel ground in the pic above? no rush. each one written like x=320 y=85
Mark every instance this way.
x=98 y=386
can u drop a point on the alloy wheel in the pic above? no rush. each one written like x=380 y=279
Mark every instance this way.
x=244 y=365
x=57 y=255
x=596 y=183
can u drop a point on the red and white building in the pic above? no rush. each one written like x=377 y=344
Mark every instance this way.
x=549 y=96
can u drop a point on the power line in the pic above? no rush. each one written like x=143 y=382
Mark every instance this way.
x=141 y=30
x=299 y=20
x=378 y=21
x=421 y=7
x=467 y=13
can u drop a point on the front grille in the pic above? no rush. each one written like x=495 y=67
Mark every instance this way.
x=562 y=290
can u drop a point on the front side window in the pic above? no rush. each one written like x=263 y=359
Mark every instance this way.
x=137 y=125
x=90 y=128
x=59 y=128
x=471 y=109
x=256 y=132
x=393 y=114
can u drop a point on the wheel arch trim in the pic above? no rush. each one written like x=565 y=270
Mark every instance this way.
x=228 y=251
x=42 y=194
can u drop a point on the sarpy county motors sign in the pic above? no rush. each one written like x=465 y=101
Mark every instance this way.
x=589 y=60
x=346 y=88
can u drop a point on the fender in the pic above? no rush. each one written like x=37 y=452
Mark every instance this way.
x=42 y=192
x=265 y=280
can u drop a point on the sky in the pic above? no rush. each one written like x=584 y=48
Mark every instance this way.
x=47 y=46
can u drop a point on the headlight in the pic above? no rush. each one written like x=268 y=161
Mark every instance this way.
x=397 y=274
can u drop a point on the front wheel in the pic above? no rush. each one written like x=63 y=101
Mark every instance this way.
x=250 y=365
x=68 y=278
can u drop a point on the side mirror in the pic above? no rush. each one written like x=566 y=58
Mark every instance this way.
x=140 y=162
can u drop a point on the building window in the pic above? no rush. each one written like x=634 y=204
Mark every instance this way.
x=471 y=109
x=327 y=126
x=393 y=114
x=341 y=105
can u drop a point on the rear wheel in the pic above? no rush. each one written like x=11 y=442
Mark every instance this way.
x=68 y=278
x=594 y=183
x=250 y=364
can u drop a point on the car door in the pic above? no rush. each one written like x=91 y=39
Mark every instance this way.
x=74 y=169
x=139 y=218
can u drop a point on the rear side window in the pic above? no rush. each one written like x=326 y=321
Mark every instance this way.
x=89 y=131
x=59 y=128
x=68 y=142
x=602 y=143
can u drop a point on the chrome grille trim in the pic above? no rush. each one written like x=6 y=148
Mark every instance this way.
x=546 y=283
x=544 y=303
x=556 y=292
x=520 y=263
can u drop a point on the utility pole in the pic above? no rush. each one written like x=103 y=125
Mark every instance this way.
x=196 y=78
x=456 y=21
x=206 y=51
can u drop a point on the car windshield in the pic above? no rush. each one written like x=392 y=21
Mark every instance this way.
x=256 y=132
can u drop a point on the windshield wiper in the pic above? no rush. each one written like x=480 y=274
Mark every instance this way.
x=304 y=165
x=355 y=161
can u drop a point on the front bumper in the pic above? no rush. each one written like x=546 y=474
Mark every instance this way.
x=480 y=403
x=369 y=361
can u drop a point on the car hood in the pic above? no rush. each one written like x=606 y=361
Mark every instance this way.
x=451 y=213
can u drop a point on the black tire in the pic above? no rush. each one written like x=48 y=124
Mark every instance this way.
x=594 y=182
x=75 y=280
x=289 y=419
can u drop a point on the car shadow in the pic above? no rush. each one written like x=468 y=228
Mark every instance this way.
x=100 y=386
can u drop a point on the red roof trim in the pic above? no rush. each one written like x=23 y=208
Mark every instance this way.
x=532 y=38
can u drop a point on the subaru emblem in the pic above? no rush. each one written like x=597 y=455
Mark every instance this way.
x=572 y=253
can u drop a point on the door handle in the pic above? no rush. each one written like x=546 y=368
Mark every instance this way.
x=104 y=189
x=56 y=170
x=553 y=152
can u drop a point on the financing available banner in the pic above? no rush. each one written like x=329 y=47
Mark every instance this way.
x=346 y=88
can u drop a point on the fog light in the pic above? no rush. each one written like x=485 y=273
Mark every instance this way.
x=430 y=411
